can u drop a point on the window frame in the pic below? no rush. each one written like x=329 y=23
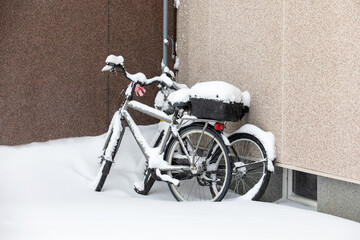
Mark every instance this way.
x=288 y=192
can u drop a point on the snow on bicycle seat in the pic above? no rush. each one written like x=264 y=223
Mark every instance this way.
x=114 y=60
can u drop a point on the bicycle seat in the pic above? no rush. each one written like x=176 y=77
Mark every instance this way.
x=179 y=98
x=114 y=60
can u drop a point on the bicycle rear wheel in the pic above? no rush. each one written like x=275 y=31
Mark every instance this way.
x=211 y=175
x=250 y=175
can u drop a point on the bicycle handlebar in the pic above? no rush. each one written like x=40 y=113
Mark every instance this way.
x=112 y=62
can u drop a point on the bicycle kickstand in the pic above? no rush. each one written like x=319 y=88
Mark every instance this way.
x=148 y=182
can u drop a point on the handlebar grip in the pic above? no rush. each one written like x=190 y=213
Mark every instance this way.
x=107 y=68
x=113 y=62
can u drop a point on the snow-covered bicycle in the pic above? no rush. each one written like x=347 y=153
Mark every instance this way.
x=192 y=149
x=192 y=157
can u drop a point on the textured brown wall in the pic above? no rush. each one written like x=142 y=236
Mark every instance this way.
x=136 y=32
x=51 y=55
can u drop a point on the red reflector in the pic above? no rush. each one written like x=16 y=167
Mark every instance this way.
x=219 y=126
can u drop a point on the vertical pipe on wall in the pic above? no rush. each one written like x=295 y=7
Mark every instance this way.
x=165 y=35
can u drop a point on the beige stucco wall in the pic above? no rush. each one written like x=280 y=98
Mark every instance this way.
x=300 y=60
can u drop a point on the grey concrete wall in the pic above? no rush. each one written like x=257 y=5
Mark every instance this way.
x=335 y=197
x=339 y=198
x=274 y=190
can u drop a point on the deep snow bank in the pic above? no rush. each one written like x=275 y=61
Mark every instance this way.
x=45 y=195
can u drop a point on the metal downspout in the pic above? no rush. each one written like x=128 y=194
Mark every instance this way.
x=165 y=35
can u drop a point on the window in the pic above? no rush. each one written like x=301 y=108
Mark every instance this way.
x=305 y=185
x=300 y=187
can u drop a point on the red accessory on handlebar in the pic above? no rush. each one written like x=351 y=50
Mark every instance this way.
x=139 y=91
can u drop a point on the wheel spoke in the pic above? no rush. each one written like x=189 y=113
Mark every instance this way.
x=247 y=150
x=191 y=147
x=205 y=184
x=192 y=186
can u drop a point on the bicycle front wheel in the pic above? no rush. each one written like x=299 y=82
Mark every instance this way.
x=250 y=175
x=210 y=174
x=105 y=167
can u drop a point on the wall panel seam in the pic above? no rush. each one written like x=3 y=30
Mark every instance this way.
x=108 y=75
x=210 y=22
x=283 y=80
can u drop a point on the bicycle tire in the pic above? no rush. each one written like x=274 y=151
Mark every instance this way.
x=159 y=139
x=197 y=187
x=104 y=171
x=106 y=164
x=148 y=179
x=250 y=181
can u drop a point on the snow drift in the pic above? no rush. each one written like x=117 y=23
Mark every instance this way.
x=45 y=195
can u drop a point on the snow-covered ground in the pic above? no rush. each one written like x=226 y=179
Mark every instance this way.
x=45 y=194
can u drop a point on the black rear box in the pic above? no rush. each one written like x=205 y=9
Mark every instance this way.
x=216 y=110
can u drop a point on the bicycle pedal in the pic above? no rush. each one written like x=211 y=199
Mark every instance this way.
x=142 y=192
x=165 y=178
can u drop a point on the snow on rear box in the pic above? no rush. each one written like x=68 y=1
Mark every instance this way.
x=216 y=100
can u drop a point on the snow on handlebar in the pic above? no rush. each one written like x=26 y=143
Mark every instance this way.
x=113 y=62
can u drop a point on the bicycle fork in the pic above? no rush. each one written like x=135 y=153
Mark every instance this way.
x=113 y=140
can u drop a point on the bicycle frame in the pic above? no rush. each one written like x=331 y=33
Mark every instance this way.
x=156 y=166
x=193 y=161
x=172 y=130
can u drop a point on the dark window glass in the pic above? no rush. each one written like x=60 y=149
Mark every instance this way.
x=305 y=185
